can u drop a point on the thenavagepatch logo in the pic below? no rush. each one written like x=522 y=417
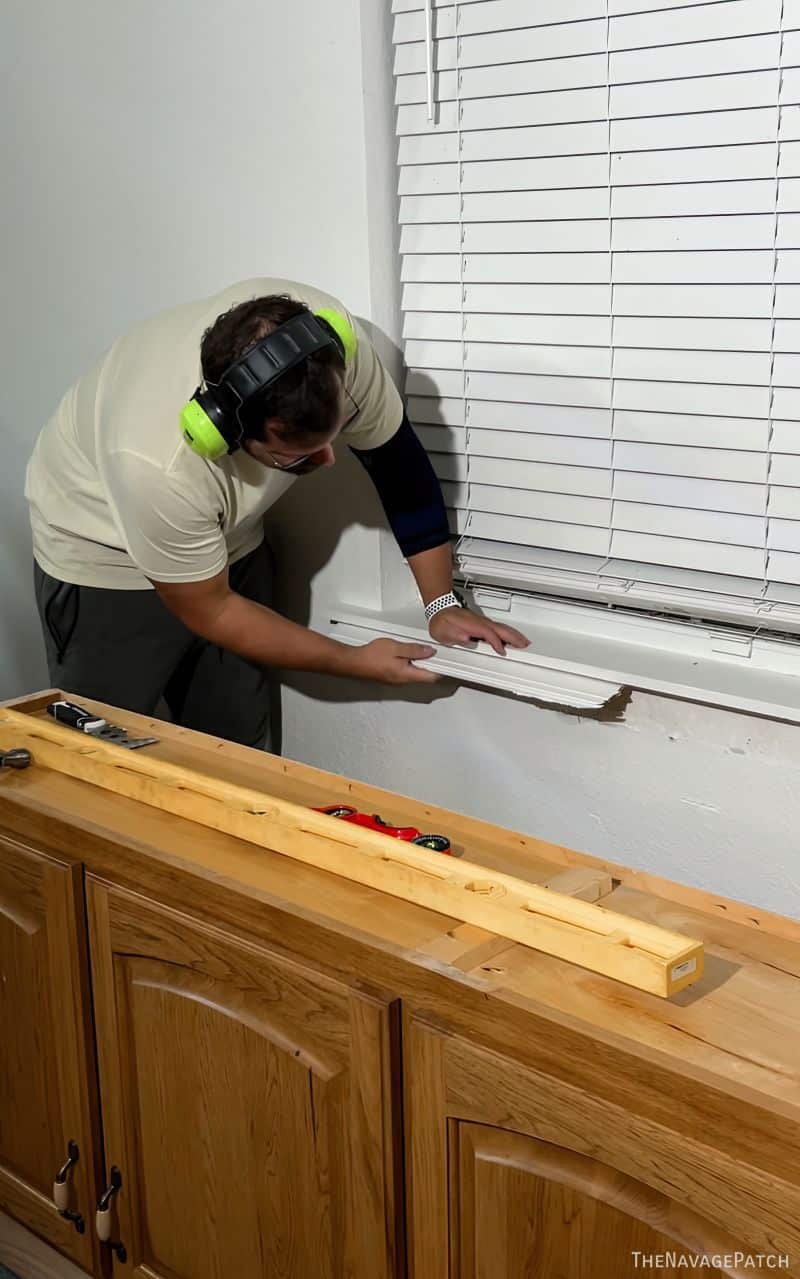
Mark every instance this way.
x=731 y=1261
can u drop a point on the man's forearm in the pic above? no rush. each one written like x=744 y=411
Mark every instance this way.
x=265 y=637
x=433 y=571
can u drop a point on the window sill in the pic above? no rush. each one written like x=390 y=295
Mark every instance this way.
x=581 y=655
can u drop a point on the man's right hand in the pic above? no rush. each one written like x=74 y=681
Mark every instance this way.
x=390 y=662
x=211 y=609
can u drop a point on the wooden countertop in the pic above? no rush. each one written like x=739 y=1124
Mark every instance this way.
x=738 y=1029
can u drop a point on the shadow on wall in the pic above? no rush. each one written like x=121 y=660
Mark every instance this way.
x=305 y=529
x=22 y=663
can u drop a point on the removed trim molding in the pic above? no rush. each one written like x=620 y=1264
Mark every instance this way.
x=524 y=676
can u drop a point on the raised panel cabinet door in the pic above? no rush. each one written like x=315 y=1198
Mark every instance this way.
x=525 y=1209
x=47 y=1068
x=249 y=1106
x=513 y=1173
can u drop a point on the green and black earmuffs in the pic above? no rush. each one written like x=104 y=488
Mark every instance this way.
x=211 y=423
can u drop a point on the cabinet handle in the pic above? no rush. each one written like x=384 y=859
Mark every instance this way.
x=61 y=1189
x=103 y=1215
x=17 y=758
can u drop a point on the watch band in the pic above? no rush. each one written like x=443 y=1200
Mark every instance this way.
x=450 y=600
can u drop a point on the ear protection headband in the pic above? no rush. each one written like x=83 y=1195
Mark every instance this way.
x=211 y=422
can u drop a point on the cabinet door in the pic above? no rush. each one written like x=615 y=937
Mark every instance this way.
x=524 y=1209
x=514 y=1174
x=248 y=1105
x=46 y=1064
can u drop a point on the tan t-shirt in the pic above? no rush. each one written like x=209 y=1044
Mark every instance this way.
x=117 y=496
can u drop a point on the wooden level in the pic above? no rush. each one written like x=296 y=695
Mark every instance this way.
x=632 y=951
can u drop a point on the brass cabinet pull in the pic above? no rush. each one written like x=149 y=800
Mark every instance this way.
x=61 y=1188
x=103 y=1215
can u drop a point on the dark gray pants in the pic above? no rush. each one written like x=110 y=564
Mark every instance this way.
x=126 y=648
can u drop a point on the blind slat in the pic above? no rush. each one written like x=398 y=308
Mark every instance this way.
x=683 y=553
x=529 y=504
x=534 y=206
x=700 y=129
x=551 y=419
x=530 y=175
x=525 y=44
x=411 y=58
x=511 y=528
x=784 y=535
x=435 y=326
x=703 y=526
x=690 y=491
x=668 y=332
x=541 y=140
x=787 y=335
x=749 y=231
x=580 y=361
x=441 y=411
x=541 y=477
x=784 y=503
x=413 y=87
x=489 y=15
x=732 y=367
x=695 y=22
x=784 y=567
x=410 y=27
x=434 y=238
x=580 y=236
x=535 y=389
x=692 y=397
x=536 y=268
x=694 y=164
x=568 y=330
x=562 y=107
x=691 y=429
x=430 y=208
x=708 y=57
x=786 y=371
x=705 y=464
x=744 y=300
x=540 y=299
x=785 y=437
x=570 y=451
x=703 y=93
x=695 y=199
x=702 y=267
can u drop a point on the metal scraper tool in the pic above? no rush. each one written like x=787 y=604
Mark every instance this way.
x=85 y=722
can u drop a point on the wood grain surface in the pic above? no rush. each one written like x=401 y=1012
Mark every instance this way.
x=637 y=953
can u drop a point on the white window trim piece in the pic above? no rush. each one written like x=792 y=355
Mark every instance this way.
x=517 y=673
x=583 y=655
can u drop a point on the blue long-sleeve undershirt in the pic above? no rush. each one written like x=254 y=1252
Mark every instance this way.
x=409 y=490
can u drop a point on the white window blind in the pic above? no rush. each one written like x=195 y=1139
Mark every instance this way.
x=600 y=238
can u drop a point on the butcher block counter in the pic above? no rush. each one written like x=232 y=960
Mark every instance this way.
x=260 y=1068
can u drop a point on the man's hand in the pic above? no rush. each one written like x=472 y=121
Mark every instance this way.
x=213 y=610
x=460 y=626
x=390 y=662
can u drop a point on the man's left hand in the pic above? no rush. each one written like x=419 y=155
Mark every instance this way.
x=460 y=626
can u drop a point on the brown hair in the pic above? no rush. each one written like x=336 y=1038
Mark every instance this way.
x=305 y=399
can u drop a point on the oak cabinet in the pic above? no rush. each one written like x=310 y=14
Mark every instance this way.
x=513 y=1175
x=526 y=1209
x=271 y=1072
x=248 y=1105
x=47 y=1100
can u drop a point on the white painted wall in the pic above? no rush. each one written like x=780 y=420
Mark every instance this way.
x=161 y=151
x=155 y=153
